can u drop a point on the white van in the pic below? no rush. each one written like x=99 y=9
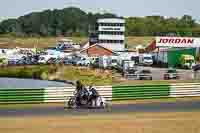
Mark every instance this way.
x=146 y=59
x=113 y=61
x=103 y=62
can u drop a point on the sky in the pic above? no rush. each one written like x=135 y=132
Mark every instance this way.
x=168 y=8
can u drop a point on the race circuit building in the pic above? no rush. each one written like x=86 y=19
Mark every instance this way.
x=110 y=33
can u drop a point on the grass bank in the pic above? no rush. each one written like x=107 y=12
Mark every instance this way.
x=42 y=42
x=133 y=41
x=35 y=72
x=58 y=72
x=86 y=75
x=151 y=82
x=30 y=42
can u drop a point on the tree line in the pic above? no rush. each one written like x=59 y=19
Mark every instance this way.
x=161 y=26
x=75 y=22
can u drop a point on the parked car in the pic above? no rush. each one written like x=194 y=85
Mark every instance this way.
x=67 y=61
x=171 y=74
x=60 y=61
x=35 y=59
x=12 y=61
x=83 y=62
x=146 y=59
x=42 y=60
x=196 y=67
x=75 y=60
x=52 y=61
x=95 y=63
x=144 y=75
x=131 y=73
x=21 y=62
x=28 y=61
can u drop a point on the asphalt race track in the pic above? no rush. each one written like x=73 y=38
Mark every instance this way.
x=117 y=108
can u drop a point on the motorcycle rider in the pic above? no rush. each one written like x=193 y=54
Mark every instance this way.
x=82 y=92
x=79 y=87
x=93 y=94
x=85 y=97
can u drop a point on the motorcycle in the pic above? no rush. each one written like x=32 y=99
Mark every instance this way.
x=86 y=98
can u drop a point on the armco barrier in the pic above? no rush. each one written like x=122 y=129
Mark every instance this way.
x=140 y=92
x=185 y=89
x=21 y=95
x=55 y=94
x=115 y=93
x=46 y=95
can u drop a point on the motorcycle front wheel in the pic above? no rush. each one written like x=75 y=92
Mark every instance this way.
x=72 y=103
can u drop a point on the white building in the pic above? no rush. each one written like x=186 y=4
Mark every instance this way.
x=111 y=33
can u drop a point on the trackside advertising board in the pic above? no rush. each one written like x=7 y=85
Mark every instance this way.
x=177 y=42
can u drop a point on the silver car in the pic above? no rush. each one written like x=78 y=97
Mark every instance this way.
x=144 y=75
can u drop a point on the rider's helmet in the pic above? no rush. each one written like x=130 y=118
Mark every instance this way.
x=91 y=86
x=79 y=85
x=93 y=90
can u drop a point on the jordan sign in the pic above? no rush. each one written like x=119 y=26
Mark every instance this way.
x=177 y=42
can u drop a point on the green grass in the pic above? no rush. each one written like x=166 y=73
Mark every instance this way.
x=30 y=42
x=86 y=75
x=42 y=42
x=28 y=105
x=25 y=71
x=133 y=41
x=153 y=82
x=57 y=72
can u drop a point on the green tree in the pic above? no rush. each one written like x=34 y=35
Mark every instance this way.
x=75 y=22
